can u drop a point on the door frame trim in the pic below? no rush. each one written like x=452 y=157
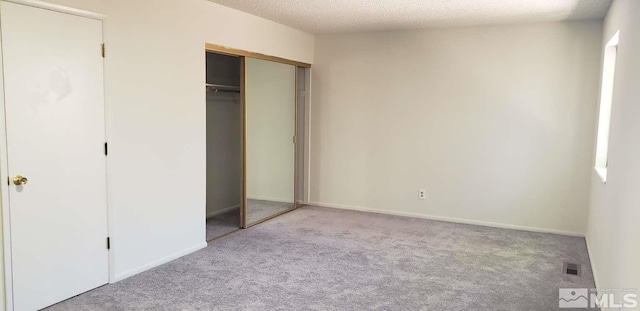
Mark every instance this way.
x=60 y=8
x=210 y=47
x=4 y=187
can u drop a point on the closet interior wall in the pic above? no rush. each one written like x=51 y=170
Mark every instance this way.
x=224 y=130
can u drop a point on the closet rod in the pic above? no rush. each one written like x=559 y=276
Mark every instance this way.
x=222 y=88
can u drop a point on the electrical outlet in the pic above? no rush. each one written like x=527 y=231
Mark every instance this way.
x=422 y=194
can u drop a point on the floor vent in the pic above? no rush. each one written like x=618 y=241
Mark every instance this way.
x=572 y=268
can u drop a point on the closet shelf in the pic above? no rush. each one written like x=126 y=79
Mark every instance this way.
x=222 y=88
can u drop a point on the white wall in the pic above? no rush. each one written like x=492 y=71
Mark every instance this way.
x=496 y=123
x=613 y=232
x=154 y=78
x=270 y=102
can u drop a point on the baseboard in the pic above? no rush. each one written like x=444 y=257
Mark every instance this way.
x=222 y=211
x=447 y=219
x=593 y=265
x=121 y=276
x=281 y=200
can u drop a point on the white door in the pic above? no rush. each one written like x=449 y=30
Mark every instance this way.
x=54 y=106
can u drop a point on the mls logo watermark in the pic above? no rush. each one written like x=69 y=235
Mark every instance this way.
x=573 y=298
x=588 y=298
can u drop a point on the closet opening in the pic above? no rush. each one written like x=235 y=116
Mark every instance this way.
x=224 y=144
x=257 y=114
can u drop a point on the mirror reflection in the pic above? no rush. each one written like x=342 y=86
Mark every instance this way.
x=270 y=92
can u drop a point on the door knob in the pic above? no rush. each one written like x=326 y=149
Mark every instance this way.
x=20 y=180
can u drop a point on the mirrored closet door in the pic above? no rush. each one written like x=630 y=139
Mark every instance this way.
x=270 y=129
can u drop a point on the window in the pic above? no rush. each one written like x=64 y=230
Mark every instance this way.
x=606 y=98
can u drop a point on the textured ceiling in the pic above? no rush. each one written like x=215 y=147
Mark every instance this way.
x=336 y=16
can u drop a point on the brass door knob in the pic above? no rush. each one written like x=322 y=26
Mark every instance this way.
x=20 y=180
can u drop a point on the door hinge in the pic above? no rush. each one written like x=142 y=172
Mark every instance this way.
x=108 y=243
x=104 y=51
x=106 y=149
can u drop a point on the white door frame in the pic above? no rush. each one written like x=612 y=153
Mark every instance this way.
x=4 y=187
